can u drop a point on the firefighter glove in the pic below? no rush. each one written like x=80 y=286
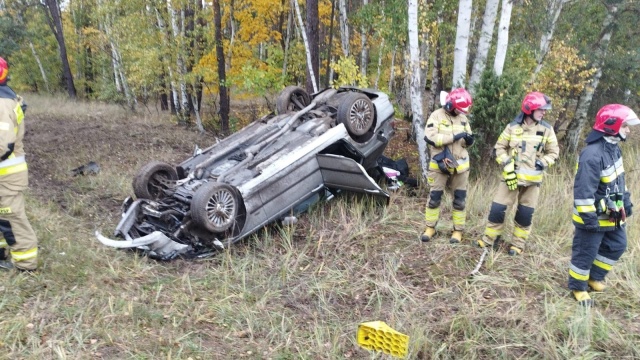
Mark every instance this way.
x=509 y=174
x=459 y=136
x=539 y=165
x=468 y=139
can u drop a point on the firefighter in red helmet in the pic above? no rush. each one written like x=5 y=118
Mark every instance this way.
x=524 y=150
x=601 y=202
x=448 y=134
x=16 y=234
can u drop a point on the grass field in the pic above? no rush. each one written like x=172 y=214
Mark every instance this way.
x=298 y=292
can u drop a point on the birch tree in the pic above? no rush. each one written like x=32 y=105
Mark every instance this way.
x=545 y=40
x=503 y=36
x=484 y=42
x=461 y=49
x=313 y=45
x=306 y=45
x=579 y=121
x=415 y=89
x=344 y=27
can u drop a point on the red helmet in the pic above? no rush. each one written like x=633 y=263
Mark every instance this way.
x=458 y=99
x=534 y=101
x=610 y=118
x=4 y=70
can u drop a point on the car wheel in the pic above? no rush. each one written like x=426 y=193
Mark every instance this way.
x=292 y=98
x=215 y=206
x=152 y=179
x=356 y=112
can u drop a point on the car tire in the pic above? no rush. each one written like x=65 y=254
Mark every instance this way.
x=292 y=98
x=357 y=114
x=215 y=206
x=150 y=181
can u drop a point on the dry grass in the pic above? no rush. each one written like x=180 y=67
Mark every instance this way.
x=291 y=293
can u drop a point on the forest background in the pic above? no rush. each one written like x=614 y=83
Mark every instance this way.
x=124 y=82
x=192 y=57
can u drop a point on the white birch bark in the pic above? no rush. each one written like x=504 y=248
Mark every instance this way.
x=461 y=50
x=306 y=46
x=42 y=72
x=484 y=42
x=545 y=41
x=364 y=50
x=165 y=43
x=182 y=107
x=344 y=27
x=503 y=36
x=380 y=52
x=415 y=89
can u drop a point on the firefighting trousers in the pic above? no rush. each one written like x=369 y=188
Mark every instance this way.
x=593 y=254
x=439 y=183
x=16 y=232
x=527 y=199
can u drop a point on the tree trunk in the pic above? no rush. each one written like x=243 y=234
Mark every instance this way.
x=222 y=76
x=484 y=42
x=461 y=49
x=55 y=23
x=392 y=70
x=545 y=40
x=503 y=36
x=329 y=54
x=182 y=105
x=415 y=88
x=574 y=131
x=344 y=27
x=306 y=46
x=314 y=48
x=42 y=72
x=364 y=48
x=380 y=55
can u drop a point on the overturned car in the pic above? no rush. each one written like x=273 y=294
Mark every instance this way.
x=313 y=147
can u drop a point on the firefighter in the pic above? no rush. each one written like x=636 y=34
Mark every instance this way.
x=524 y=150
x=448 y=134
x=16 y=235
x=601 y=202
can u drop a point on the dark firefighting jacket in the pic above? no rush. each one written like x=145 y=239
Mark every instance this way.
x=440 y=129
x=525 y=144
x=600 y=175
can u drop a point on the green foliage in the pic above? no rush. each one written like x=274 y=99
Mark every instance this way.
x=348 y=73
x=495 y=103
x=10 y=35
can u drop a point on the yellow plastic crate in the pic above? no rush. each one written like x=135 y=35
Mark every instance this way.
x=378 y=336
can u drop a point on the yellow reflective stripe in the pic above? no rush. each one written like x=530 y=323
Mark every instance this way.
x=584 y=209
x=3 y=243
x=432 y=215
x=433 y=165
x=5 y=210
x=13 y=169
x=505 y=137
x=463 y=164
x=19 y=113
x=492 y=233
x=439 y=140
x=601 y=222
x=577 y=276
x=459 y=217
x=532 y=178
x=602 y=265
x=24 y=255
x=520 y=232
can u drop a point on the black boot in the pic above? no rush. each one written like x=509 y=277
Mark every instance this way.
x=6 y=265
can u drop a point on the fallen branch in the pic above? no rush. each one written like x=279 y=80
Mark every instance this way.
x=477 y=268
